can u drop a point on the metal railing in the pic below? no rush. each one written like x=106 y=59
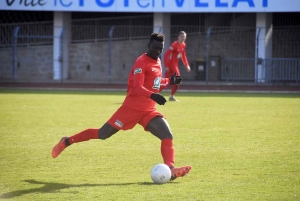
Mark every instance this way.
x=39 y=30
x=81 y=34
x=282 y=69
x=125 y=28
x=144 y=20
x=83 y=30
x=272 y=70
x=241 y=69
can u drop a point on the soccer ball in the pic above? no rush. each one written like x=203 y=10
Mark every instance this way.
x=160 y=174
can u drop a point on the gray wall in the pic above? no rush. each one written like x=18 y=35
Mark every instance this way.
x=33 y=63
x=89 y=62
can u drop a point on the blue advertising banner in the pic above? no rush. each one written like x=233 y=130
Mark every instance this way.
x=154 y=5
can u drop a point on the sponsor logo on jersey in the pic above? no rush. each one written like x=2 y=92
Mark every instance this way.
x=119 y=123
x=156 y=83
x=178 y=56
x=137 y=70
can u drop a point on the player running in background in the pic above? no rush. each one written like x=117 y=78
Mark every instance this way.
x=176 y=51
x=144 y=83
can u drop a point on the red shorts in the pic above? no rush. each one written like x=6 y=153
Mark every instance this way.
x=126 y=118
x=171 y=72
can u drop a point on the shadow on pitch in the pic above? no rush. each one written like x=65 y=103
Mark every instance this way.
x=153 y=184
x=49 y=187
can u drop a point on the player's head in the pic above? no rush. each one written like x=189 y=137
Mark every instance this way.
x=155 y=45
x=181 y=36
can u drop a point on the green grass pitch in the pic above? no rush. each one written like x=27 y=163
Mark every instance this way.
x=241 y=147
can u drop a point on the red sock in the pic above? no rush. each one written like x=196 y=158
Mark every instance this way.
x=174 y=89
x=167 y=152
x=90 y=133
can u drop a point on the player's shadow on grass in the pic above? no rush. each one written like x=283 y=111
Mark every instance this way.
x=53 y=188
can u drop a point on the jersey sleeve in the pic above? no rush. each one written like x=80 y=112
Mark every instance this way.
x=167 y=55
x=139 y=70
x=184 y=58
x=164 y=82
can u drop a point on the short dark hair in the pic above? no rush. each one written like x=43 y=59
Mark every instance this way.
x=181 y=32
x=157 y=36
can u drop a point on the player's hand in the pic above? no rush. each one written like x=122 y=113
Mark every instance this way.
x=158 y=98
x=188 y=69
x=166 y=69
x=174 y=79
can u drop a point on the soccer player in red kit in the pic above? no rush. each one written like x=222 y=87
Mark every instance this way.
x=176 y=51
x=144 y=84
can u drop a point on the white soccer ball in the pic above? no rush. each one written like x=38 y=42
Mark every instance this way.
x=160 y=174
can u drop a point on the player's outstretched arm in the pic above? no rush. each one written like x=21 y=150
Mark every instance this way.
x=175 y=79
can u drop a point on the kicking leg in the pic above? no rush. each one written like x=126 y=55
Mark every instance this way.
x=103 y=133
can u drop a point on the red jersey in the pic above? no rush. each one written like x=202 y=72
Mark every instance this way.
x=144 y=79
x=174 y=53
